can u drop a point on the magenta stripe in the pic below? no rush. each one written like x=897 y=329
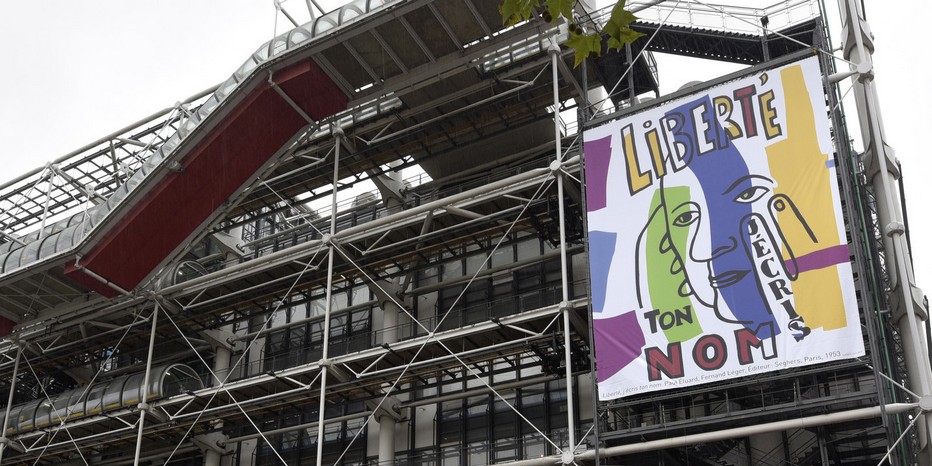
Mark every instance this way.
x=822 y=258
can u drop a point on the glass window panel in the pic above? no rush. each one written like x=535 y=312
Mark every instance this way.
x=453 y=269
x=278 y=45
x=553 y=271
x=131 y=391
x=451 y=456
x=580 y=268
x=352 y=427
x=534 y=446
x=359 y=294
x=477 y=455
x=426 y=305
x=318 y=307
x=94 y=398
x=338 y=301
x=14 y=421
x=505 y=449
x=427 y=276
x=360 y=321
x=246 y=68
x=503 y=255
x=528 y=248
x=338 y=325
x=474 y=263
x=262 y=53
x=113 y=394
x=277 y=341
x=227 y=87
x=323 y=23
x=279 y=318
x=297 y=336
x=43 y=414
x=333 y=432
x=317 y=332
x=298 y=35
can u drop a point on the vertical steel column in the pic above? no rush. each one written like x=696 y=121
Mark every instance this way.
x=211 y=457
x=221 y=363
x=48 y=197
x=221 y=371
x=328 y=240
x=632 y=94
x=144 y=391
x=9 y=402
x=890 y=217
x=556 y=168
x=386 y=440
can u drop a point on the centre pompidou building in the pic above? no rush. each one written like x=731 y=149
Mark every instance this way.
x=379 y=241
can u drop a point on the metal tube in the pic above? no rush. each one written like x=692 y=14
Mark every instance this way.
x=870 y=116
x=45 y=208
x=96 y=276
x=485 y=101
x=221 y=364
x=108 y=137
x=143 y=404
x=294 y=323
x=386 y=440
x=737 y=432
x=211 y=458
x=294 y=105
x=324 y=363
x=479 y=391
x=493 y=271
x=557 y=168
x=309 y=425
x=365 y=228
x=9 y=402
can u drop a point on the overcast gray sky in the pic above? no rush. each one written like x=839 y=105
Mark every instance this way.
x=72 y=72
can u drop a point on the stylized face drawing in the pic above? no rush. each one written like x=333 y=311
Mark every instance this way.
x=708 y=206
x=707 y=228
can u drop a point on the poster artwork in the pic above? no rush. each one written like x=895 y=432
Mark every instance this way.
x=716 y=243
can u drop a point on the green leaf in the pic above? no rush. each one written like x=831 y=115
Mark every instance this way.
x=617 y=27
x=558 y=8
x=621 y=16
x=619 y=9
x=515 y=11
x=584 y=45
x=612 y=29
x=614 y=43
x=628 y=35
x=621 y=37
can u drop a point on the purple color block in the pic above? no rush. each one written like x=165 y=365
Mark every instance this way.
x=822 y=258
x=598 y=155
x=618 y=341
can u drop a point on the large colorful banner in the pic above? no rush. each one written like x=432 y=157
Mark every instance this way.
x=716 y=243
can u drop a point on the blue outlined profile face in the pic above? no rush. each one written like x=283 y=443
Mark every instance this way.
x=712 y=228
x=709 y=231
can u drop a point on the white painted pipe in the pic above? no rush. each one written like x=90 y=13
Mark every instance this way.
x=555 y=167
x=724 y=434
x=386 y=440
x=368 y=227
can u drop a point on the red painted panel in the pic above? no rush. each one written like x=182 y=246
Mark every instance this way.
x=220 y=165
x=6 y=326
